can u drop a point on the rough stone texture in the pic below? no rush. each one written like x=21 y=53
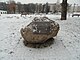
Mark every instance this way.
x=47 y=43
x=30 y=37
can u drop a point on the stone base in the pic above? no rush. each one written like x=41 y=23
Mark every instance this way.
x=39 y=45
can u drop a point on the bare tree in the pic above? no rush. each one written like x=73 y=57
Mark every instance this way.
x=19 y=6
x=12 y=7
x=64 y=10
x=46 y=8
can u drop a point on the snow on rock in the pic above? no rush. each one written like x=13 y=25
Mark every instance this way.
x=66 y=45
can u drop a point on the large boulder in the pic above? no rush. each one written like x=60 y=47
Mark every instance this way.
x=40 y=30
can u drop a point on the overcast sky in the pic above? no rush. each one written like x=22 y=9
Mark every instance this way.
x=44 y=1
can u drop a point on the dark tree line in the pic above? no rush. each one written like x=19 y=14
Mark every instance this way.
x=14 y=7
x=3 y=6
x=27 y=8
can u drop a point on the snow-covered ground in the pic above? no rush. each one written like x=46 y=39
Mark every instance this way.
x=66 y=45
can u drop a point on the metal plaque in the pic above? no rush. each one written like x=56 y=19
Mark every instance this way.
x=41 y=27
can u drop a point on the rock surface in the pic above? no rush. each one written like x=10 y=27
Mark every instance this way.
x=37 y=34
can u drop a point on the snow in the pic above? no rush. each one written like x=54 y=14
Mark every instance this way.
x=66 y=44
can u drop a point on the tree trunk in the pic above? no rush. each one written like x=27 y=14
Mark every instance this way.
x=64 y=10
